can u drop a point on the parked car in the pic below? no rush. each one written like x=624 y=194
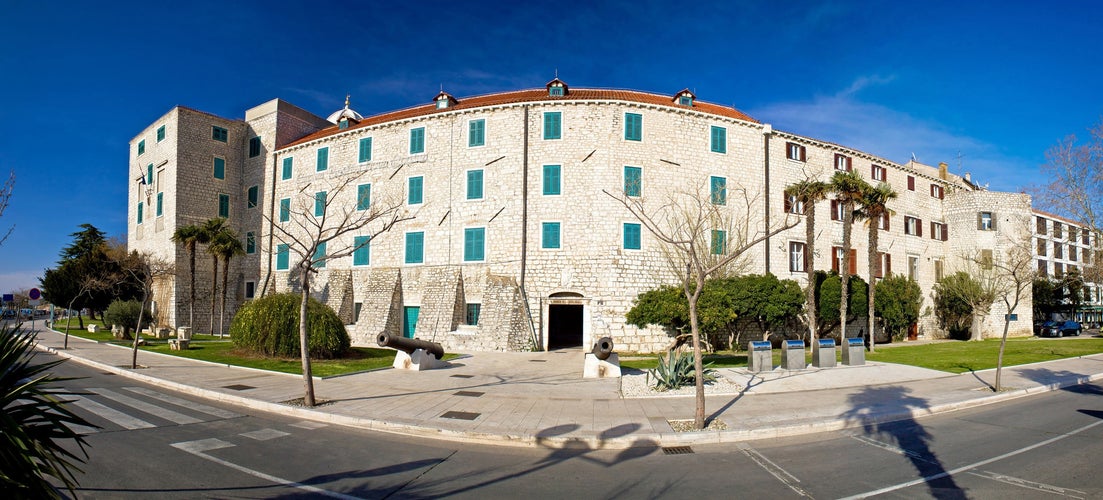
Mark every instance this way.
x=1060 y=329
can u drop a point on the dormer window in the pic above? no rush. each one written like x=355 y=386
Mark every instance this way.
x=343 y=124
x=342 y=117
x=555 y=91
x=685 y=98
x=556 y=88
x=445 y=100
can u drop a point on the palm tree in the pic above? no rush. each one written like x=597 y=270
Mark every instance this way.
x=209 y=230
x=848 y=187
x=226 y=245
x=872 y=207
x=806 y=194
x=189 y=236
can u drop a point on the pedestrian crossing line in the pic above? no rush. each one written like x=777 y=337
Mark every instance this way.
x=149 y=408
x=265 y=434
x=191 y=405
x=308 y=425
x=110 y=414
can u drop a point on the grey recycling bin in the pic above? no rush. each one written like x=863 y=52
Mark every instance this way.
x=823 y=353
x=854 y=352
x=792 y=355
x=760 y=356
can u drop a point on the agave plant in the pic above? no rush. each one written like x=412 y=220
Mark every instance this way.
x=34 y=423
x=675 y=370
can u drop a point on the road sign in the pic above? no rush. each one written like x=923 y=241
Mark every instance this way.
x=35 y=294
x=8 y=297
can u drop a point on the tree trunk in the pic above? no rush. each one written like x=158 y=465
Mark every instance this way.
x=138 y=331
x=810 y=270
x=698 y=364
x=975 y=329
x=191 y=289
x=308 y=380
x=222 y=308
x=214 y=291
x=873 y=264
x=844 y=271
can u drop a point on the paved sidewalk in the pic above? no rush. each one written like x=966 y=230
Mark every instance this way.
x=541 y=399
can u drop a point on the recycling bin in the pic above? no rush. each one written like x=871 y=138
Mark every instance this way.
x=823 y=353
x=760 y=356
x=854 y=352
x=792 y=355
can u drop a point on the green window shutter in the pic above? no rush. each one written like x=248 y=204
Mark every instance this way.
x=254 y=147
x=365 y=150
x=474 y=184
x=252 y=196
x=160 y=204
x=361 y=253
x=633 y=127
x=719 y=242
x=223 y=205
x=415 y=247
x=250 y=242
x=140 y=208
x=319 y=203
x=553 y=125
x=549 y=235
x=473 y=314
x=363 y=196
x=718 y=189
x=474 y=244
x=219 y=134
x=323 y=159
x=320 y=255
x=551 y=180
x=149 y=174
x=141 y=147
x=219 y=168
x=476 y=133
x=631 y=236
x=633 y=181
x=417 y=140
x=282 y=257
x=415 y=191
x=285 y=209
x=287 y=164
x=160 y=133
x=719 y=142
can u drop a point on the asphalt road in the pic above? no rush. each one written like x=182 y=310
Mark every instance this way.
x=160 y=444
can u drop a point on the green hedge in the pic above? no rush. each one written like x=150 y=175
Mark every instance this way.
x=270 y=326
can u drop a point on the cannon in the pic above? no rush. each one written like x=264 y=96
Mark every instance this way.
x=408 y=346
x=603 y=348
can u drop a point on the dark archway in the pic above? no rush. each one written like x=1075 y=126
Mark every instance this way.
x=564 y=326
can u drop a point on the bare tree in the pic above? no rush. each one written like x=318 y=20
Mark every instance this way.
x=319 y=219
x=145 y=269
x=700 y=237
x=1076 y=189
x=6 y=192
x=1012 y=275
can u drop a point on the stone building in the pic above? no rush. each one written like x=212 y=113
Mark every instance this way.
x=516 y=239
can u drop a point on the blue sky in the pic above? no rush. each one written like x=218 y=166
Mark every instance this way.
x=996 y=82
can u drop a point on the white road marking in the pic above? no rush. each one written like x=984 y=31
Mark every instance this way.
x=112 y=415
x=265 y=434
x=958 y=470
x=775 y=470
x=308 y=425
x=151 y=409
x=1023 y=483
x=892 y=449
x=201 y=408
x=198 y=448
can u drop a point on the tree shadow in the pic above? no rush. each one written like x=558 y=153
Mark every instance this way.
x=1072 y=381
x=879 y=411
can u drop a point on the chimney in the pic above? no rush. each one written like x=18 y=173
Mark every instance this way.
x=942 y=170
x=968 y=178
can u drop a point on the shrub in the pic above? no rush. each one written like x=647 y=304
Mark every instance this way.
x=125 y=314
x=676 y=370
x=270 y=326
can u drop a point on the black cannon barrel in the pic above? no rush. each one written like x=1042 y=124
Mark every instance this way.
x=408 y=346
x=603 y=348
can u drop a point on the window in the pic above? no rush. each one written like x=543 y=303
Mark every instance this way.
x=551 y=180
x=985 y=259
x=414 y=190
x=555 y=91
x=913 y=267
x=913 y=226
x=938 y=274
x=837 y=259
x=685 y=100
x=363 y=196
x=884 y=223
x=474 y=244
x=718 y=140
x=475 y=184
x=838 y=210
x=797 y=261
x=323 y=159
x=356 y=308
x=219 y=168
x=884 y=268
x=1058 y=270
x=149 y=174
x=1041 y=226
x=1041 y=247
x=553 y=125
x=631 y=236
x=878 y=173
x=842 y=162
x=415 y=247
x=633 y=127
x=1043 y=268
x=793 y=205
x=251 y=196
x=549 y=235
x=719 y=242
x=250 y=242
x=1084 y=236
x=254 y=147
x=1072 y=253
x=365 y=150
x=141 y=147
x=287 y=162
x=361 y=251
x=1073 y=234
x=141 y=207
x=319 y=203
x=938 y=231
x=718 y=190
x=219 y=134
x=417 y=140
x=794 y=151
x=283 y=257
x=160 y=133
x=224 y=205
x=285 y=209
x=1058 y=230
x=633 y=181
x=937 y=191
x=160 y=204
x=250 y=289
x=476 y=133
x=1058 y=251
x=319 y=258
x=987 y=222
x=472 y=316
x=911 y=183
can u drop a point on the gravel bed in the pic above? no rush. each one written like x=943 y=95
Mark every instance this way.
x=634 y=385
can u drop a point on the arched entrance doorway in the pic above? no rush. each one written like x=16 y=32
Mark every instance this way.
x=566 y=313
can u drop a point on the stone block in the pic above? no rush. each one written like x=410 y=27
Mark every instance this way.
x=596 y=368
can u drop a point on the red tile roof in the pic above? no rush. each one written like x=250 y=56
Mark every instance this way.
x=532 y=95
